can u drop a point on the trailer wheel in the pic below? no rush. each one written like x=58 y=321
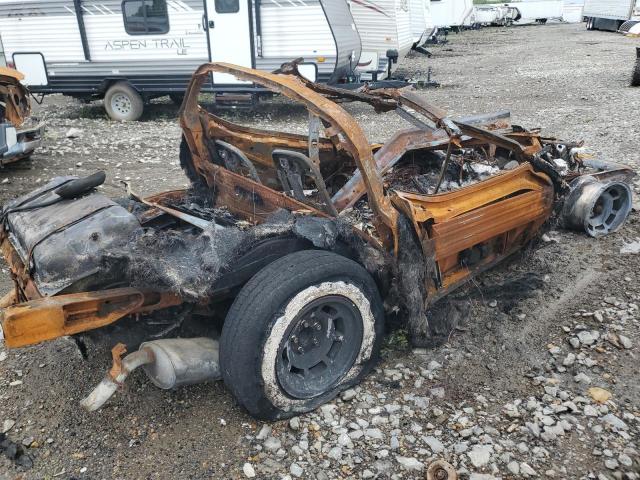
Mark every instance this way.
x=122 y=102
x=303 y=329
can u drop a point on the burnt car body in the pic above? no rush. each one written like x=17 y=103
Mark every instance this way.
x=309 y=236
x=19 y=136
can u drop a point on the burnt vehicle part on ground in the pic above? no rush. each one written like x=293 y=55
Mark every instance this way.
x=309 y=238
x=19 y=134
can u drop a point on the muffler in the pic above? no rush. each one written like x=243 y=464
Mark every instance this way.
x=168 y=363
x=596 y=207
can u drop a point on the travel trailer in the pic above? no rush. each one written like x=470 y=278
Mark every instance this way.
x=572 y=11
x=130 y=51
x=538 y=11
x=451 y=13
x=535 y=11
x=421 y=22
x=611 y=14
x=386 y=35
x=493 y=15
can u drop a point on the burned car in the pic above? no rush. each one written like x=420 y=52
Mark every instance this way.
x=303 y=242
x=19 y=134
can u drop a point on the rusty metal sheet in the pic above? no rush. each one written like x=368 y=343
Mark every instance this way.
x=47 y=318
x=447 y=205
x=479 y=225
x=15 y=96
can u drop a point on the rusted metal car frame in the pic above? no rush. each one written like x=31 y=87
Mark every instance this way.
x=17 y=141
x=446 y=224
x=446 y=236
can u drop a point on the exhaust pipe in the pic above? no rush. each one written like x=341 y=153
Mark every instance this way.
x=168 y=363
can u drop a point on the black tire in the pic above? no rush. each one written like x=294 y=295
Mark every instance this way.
x=123 y=102
x=273 y=307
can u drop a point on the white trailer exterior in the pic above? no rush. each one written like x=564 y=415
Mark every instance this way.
x=451 y=13
x=572 y=11
x=537 y=11
x=421 y=21
x=384 y=27
x=153 y=46
x=610 y=14
x=484 y=15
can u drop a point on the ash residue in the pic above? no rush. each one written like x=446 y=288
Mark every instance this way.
x=188 y=262
x=410 y=274
x=185 y=263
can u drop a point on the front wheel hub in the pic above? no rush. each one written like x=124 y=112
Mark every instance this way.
x=596 y=207
x=319 y=347
x=121 y=103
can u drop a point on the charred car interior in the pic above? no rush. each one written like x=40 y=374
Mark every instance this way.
x=303 y=242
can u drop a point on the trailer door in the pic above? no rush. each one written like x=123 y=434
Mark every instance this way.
x=229 y=27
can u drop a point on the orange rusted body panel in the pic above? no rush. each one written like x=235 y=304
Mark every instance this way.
x=501 y=213
x=52 y=317
x=444 y=206
x=14 y=95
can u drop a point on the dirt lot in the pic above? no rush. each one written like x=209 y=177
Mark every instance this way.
x=508 y=396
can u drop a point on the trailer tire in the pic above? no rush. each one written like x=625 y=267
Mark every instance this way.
x=303 y=329
x=123 y=102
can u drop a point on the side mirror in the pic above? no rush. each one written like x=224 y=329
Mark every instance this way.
x=33 y=67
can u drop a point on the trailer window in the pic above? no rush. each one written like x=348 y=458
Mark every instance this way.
x=145 y=17
x=227 y=6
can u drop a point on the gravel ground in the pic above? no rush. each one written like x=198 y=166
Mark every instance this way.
x=541 y=381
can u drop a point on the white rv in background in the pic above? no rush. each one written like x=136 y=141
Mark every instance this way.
x=129 y=51
x=493 y=15
x=611 y=14
x=572 y=11
x=385 y=32
x=421 y=21
x=537 y=11
x=451 y=13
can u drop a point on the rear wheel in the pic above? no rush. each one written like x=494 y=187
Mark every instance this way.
x=122 y=102
x=304 y=328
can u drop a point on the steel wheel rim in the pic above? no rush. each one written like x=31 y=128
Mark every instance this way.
x=609 y=210
x=121 y=103
x=319 y=347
